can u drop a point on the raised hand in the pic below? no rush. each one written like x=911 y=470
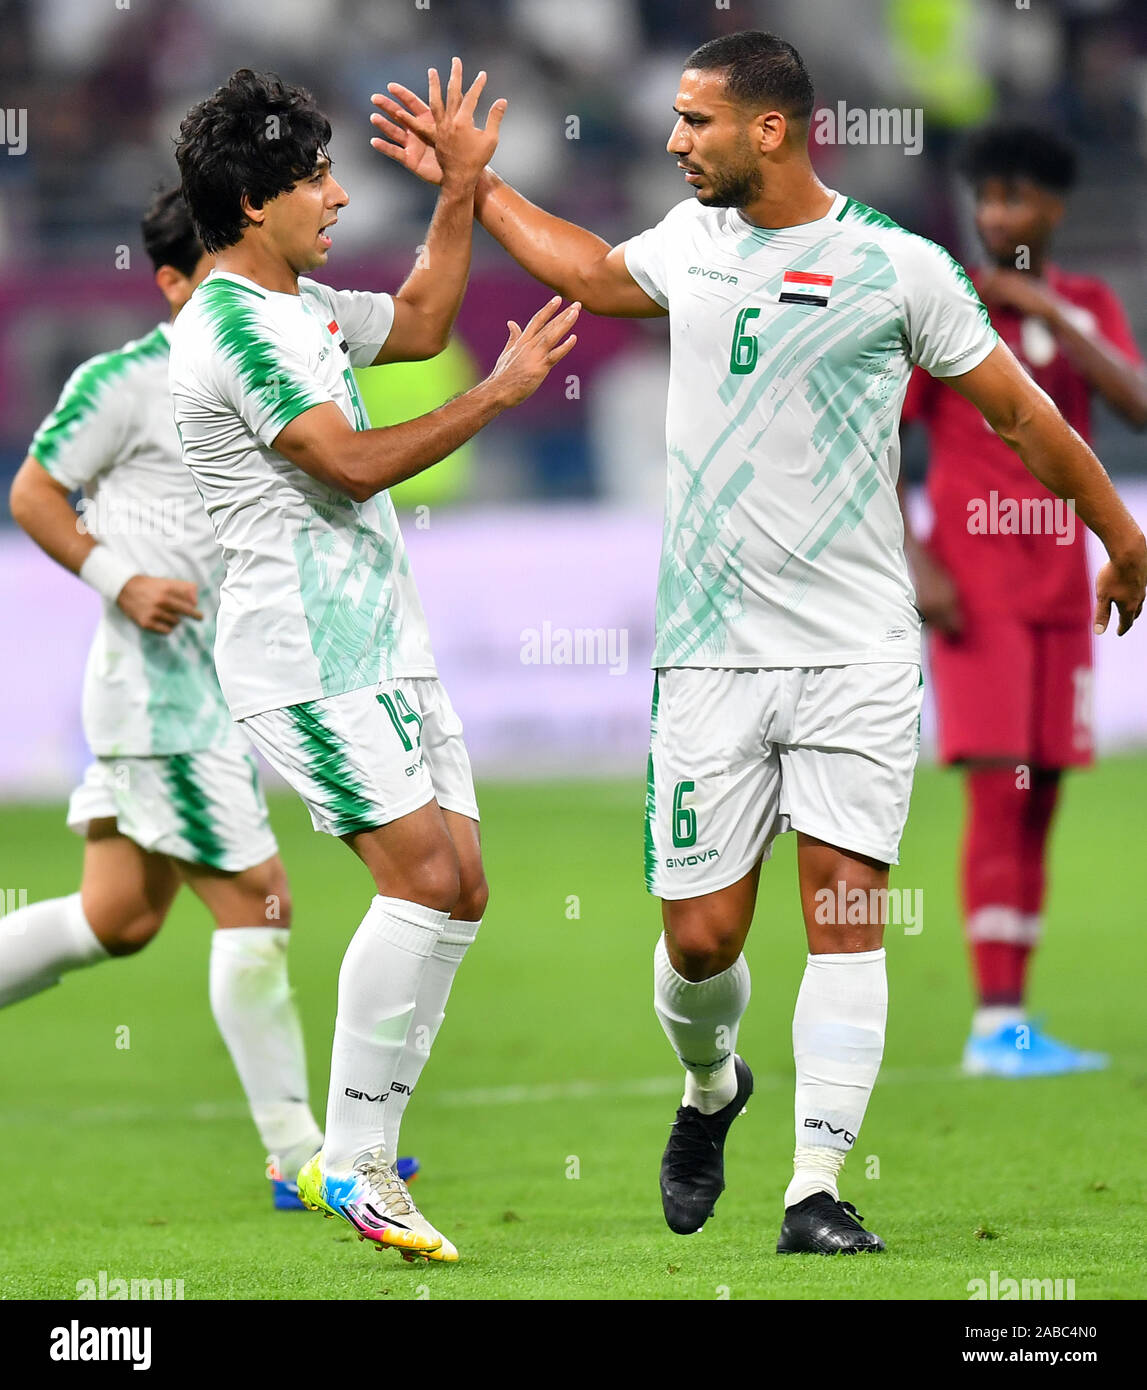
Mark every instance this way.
x=1019 y=290
x=405 y=147
x=437 y=139
x=532 y=351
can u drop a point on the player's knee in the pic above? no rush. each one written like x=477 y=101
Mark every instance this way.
x=131 y=932
x=269 y=892
x=831 y=938
x=699 y=950
x=473 y=897
x=435 y=881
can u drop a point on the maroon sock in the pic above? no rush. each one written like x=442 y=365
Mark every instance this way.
x=994 y=876
x=1039 y=812
x=1000 y=967
x=1043 y=797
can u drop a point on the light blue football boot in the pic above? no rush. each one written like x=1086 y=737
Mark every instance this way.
x=1023 y=1049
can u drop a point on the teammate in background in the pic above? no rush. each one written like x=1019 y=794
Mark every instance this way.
x=787 y=653
x=1010 y=609
x=322 y=649
x=173 y=796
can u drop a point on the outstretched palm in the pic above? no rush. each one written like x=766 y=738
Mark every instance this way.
x=419 y=132
x=413 y=146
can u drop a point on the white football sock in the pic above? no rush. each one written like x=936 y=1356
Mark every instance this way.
x=429 y=1011
x=378 y=991
x=255 y=1010
x=701 y=1019
x=814 y=1170
x=990 y=1018
x=838 y=1042
x=42 y=941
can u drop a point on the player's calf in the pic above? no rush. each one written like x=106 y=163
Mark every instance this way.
x=130 y=933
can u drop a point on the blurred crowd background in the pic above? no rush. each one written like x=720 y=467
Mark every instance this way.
x=106 y=82
x=591 y=84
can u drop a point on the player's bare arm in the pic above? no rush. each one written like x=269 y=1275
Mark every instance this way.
x=360 y=463
x=427 y=304
x=561 y=254
x=1026 y=419
x=567 y=258
x=40 y=506
x=1122 y=384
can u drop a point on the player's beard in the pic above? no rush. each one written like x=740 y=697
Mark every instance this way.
x=734 y=187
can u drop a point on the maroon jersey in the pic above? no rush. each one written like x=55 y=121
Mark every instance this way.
x=973 y=475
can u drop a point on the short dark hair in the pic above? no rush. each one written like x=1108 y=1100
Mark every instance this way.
x=760 y=70
x=169 y=234
x=1014 y=150
x=255 y=137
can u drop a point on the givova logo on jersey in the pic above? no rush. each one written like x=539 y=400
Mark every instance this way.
x=708 y=274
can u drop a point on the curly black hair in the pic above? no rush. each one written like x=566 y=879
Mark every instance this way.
x=255 y=137
x=1014 y=150
x=168 y=233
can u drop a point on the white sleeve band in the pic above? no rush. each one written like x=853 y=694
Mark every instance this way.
x=106 y=572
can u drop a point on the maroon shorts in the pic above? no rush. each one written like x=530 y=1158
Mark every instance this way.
x=1008 y=689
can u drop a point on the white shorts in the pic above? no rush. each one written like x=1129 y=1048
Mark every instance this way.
x=368 y=757
x=206 y=808
x=738 y=757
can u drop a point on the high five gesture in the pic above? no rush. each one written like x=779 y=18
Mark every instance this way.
x=462 y=149
x=426 y=305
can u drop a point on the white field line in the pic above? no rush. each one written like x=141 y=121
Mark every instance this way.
x=653 y=1086
x=210 y=1111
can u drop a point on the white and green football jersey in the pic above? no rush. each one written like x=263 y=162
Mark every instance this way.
x=112 y=435
x=318 y=598
x=791 y=353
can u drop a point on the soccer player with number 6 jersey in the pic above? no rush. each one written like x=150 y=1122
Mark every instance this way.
x=787 y=687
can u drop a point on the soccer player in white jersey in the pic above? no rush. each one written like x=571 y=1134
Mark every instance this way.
x=322 y=647
x=173 y=795
x=787 y=651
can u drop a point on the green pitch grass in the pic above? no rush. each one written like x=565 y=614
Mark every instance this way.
x=542 y=1115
